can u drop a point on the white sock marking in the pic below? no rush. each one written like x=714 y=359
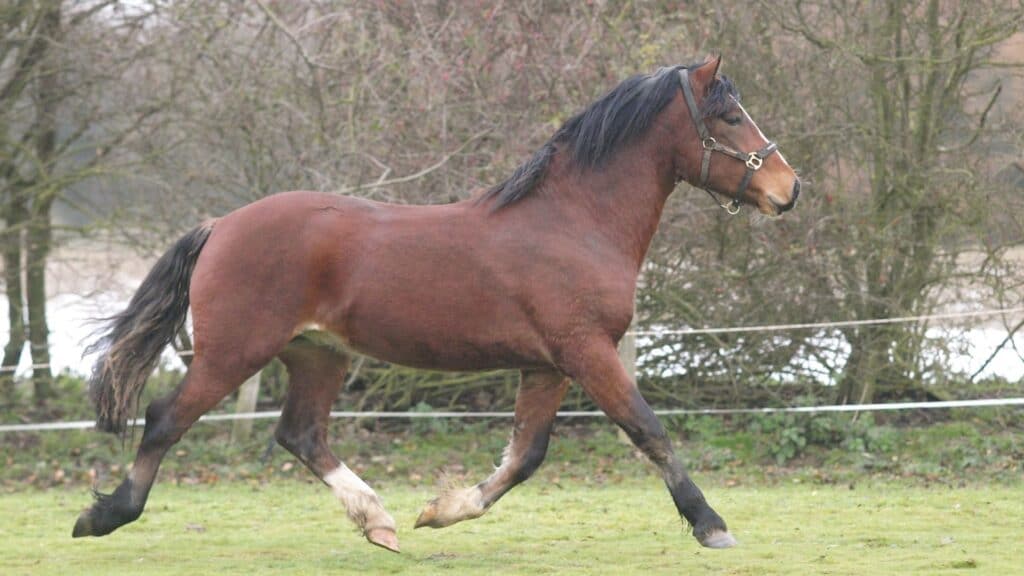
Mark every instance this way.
x=342 y=480
x=359 y=499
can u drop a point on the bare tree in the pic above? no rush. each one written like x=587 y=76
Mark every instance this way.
x=420 y=101
x=911 y=162
x=887 y=107
x=60 y=64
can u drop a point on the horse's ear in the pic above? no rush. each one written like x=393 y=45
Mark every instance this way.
x=704 y=75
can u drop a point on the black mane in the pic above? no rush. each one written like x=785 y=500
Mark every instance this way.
x=607 y=125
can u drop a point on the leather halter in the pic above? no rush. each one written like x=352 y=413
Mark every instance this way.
x=753 y=160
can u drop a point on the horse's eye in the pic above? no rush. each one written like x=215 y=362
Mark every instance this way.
x=733 y=120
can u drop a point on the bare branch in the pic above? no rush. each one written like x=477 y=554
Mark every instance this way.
x=283 y=28
x=979 y=128
x=417 y=175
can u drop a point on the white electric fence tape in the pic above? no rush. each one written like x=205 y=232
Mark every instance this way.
x=977 y=403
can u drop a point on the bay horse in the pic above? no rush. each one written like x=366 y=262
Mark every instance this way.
x=537 y=274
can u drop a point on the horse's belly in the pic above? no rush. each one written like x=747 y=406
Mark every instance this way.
x=439 y=350
x=439 y=334
x=468 y=357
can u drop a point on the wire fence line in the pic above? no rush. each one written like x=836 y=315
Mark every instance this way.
x=833 y=324
x=976 y=403
x=4 y=369
x=890 y=406
x=742 y=329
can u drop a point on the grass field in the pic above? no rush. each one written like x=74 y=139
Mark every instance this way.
x=628 y=527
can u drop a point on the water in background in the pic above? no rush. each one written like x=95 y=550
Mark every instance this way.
x=72 y=323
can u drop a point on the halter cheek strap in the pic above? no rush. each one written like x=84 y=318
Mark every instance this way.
x=752 y=160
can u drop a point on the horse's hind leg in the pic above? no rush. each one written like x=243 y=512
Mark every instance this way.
x=167 y=419
x=315 y=374
x=540 y=394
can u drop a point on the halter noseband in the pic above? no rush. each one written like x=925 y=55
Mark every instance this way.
x=753 y=160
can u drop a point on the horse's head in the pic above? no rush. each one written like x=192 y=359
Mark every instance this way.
x=724 y=152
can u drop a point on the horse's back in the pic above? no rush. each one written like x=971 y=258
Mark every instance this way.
x=417 y=285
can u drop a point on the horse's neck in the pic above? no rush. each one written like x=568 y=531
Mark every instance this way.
x=624 y=198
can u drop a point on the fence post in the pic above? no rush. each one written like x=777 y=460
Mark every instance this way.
x=247 y=395
x=627 y=351
x=627 y=355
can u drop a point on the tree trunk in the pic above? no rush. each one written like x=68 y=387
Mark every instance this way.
x=47 y=96
x=12 y=243
x=858 y=383
x=38 y=330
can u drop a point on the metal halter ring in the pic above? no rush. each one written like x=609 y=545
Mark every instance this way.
x=709 y=143
x=754 y=161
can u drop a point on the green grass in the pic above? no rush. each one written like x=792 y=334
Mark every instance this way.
x=952 y=453
x=574 y=527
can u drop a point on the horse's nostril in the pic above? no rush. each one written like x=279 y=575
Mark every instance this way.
x=792 y=198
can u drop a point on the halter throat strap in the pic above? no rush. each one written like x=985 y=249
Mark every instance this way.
x=752 y=160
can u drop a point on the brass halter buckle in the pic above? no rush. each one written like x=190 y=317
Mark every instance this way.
x=754 y=161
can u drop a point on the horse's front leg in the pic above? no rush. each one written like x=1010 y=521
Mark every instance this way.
x=599 y=371
x=540 y=394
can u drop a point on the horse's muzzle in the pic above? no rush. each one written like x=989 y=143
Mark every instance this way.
x=792 y=199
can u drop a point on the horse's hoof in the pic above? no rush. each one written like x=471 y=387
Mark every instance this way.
x=451 y=507
x=108 y=513
x=83 y=526
x=428 y=517
x=383 y=537
x=718 y=539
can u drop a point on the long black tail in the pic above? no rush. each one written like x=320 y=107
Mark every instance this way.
x=134 y=339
